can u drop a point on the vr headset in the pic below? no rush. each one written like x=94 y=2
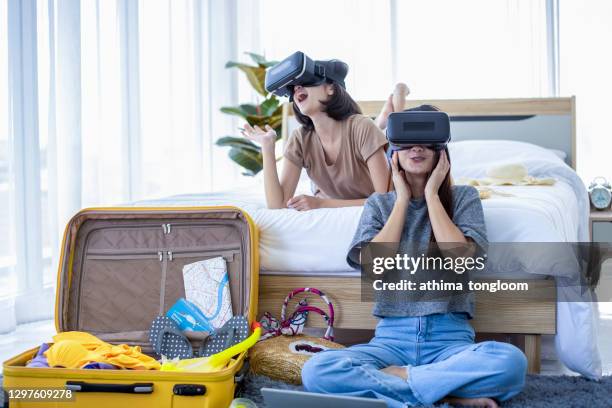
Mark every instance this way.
x=409 y=128
x=299 y=69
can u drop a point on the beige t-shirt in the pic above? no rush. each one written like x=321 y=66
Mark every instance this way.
x=349 y=177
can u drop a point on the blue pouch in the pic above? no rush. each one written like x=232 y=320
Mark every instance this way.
x=189 y=317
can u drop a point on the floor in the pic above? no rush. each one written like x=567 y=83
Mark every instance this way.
x=31 y=335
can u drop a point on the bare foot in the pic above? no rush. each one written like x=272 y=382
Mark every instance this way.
x=397 y=371
x=400 y=93
x=471 y=402
x=387 y=109
x=395 y=103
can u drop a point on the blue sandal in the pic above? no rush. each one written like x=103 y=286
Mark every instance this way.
x=168 y=340
x=233 y=332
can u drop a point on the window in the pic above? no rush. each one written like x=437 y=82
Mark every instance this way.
x=355 y=32
x=585 y=68
x=440 y=48
x=473 y=49
x=171 y=135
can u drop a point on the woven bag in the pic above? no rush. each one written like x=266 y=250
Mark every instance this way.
x=281 y=357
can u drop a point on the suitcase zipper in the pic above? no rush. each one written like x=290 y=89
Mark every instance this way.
x=227 y=254
x=162 y=290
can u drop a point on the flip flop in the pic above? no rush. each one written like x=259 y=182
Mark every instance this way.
x=233 y=332
x=168 y=340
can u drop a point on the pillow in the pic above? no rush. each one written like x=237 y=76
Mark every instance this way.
x=467 y=153
x=559 y=153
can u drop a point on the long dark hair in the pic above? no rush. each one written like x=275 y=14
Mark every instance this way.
x=446 y=191
x=339 y=107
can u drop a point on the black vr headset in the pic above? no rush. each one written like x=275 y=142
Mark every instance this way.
x=298 y=69
x=409 y=128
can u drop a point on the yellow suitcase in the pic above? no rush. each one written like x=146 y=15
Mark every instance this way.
x=121 y=267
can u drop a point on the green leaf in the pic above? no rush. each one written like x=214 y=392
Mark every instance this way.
x=268 y=64
x=240 y=142
x=249 y=108
x=234 y=111
x=255 y=75
x=251 y=161
x=232 y=64
x=257 y=78
x=258 y=59
x=242 y=151
x=269 y=106
x=261 y=121
x=243 y=110
x=261 y=60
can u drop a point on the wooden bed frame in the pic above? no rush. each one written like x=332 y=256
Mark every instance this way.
x=525 y=320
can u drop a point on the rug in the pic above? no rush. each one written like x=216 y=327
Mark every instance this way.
x=540 y=392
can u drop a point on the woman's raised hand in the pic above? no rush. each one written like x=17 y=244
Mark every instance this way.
x=437 y=176
x=402 y=189
x=265 y=137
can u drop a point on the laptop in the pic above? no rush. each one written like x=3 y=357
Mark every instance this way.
x=275 y=398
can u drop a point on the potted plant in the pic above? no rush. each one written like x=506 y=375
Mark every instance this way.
x=267 y=112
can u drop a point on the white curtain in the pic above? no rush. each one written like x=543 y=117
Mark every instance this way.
x=440 y=48
x=473 y=48
x=585 y=71
x=103 y=102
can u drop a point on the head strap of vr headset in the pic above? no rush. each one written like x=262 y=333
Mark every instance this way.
x=326 y=69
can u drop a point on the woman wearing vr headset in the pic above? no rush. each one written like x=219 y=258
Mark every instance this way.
x=423 y=350
x=341 y=150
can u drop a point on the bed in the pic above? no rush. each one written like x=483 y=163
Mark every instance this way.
x=307 y=249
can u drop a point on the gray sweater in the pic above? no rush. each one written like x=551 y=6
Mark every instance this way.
x=469 y=218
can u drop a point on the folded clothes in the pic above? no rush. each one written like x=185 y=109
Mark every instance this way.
x=80 y=350
x=99 y=366
x=39 y=360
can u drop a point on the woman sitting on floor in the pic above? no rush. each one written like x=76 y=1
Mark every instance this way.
x=422 y=351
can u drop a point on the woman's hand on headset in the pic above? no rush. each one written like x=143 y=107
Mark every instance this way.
x=402 y=188
x=265 y=138
x=437 y=176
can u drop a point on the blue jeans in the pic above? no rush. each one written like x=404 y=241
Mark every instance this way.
x=441 y=358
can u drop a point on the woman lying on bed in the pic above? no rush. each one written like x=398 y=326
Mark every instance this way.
x=341 y=150
x=422 y=351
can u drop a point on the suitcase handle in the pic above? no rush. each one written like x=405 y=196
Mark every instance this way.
x=136 y=388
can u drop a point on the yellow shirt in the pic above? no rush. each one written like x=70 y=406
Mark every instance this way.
x=76 y=349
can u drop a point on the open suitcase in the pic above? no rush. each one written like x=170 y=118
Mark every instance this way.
x=121 y=267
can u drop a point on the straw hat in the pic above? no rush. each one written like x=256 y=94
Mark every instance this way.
x=282 y=358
